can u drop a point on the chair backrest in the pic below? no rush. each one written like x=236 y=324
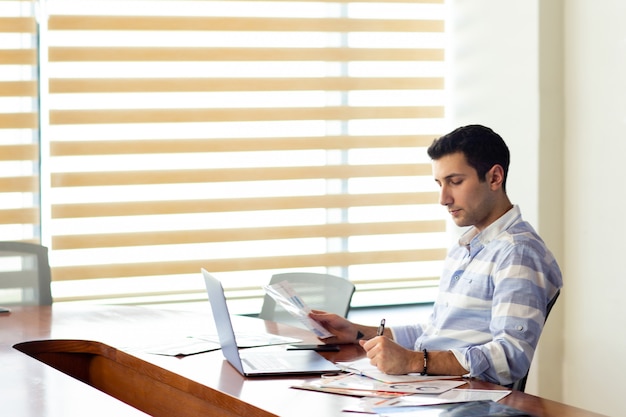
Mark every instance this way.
x=520 y=384
x=319 y=291
x=24 y=274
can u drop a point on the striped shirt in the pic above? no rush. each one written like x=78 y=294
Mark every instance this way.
x=492 y=300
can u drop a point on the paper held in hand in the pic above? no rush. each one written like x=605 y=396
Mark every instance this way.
x=287 y=298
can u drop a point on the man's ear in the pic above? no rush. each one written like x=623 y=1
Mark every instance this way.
x=495 y=177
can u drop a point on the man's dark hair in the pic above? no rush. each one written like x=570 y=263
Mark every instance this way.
x=483 y=148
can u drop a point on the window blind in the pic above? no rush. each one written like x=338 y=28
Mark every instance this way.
x=19 y=150
x=247 y=138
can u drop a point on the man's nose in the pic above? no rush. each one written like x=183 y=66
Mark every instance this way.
x=444 y=196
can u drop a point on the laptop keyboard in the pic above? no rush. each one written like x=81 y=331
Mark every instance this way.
x=268 y=362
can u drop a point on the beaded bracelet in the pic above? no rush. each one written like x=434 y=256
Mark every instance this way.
x=425 y=370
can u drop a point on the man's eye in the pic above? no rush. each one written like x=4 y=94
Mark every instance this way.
x=456 y=182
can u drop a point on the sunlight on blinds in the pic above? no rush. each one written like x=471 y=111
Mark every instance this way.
x=19 y=150
x=247 y=138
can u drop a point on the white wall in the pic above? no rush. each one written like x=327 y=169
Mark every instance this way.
x=550 y=77
x=595 y=87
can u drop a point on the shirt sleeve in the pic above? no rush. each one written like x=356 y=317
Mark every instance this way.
x=406 y=336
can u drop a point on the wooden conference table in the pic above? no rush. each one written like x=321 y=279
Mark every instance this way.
x=104 y=347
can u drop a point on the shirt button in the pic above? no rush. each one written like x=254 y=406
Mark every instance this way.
x=456 y=277
x=520 y=328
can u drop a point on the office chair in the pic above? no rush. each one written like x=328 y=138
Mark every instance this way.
x=319 y=291
x=24 y=274
x=520 y=384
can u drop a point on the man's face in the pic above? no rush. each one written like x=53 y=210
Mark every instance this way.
x=470 y=202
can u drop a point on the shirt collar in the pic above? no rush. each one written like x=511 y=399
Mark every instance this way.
x=474 y=240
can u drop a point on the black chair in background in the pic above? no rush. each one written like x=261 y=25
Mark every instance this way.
x=520 y=384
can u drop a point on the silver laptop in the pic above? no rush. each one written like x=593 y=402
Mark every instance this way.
x=255 y=362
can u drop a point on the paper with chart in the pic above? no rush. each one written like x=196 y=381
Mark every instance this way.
x=364 y=383
x=406 y=402
x=286 y=297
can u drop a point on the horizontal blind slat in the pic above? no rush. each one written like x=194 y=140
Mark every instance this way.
x=146 y=208
x=18 y=88
x=24 y=120
x=68 y=273
x=241 y=24
x=137 y=85
x=88 y=179
x=25 y=184
x=24 y=56
x=27 y=152
x=386 y=282
x=241 y=293
x=18 y=25
x=124 y=147
x=26 y=215
x=115 y=116
x=150 y=54
x=64 y=242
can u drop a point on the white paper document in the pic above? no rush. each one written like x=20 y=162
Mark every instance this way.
x=364 y=367
x=190 y=345
x=363 y=383
x=451 y=396
x=405 y=403
x=180 y=346
x=287 y=298
x=250 y=339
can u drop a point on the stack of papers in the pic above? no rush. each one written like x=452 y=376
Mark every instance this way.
x=385 y=394
x=345 y=383
x=364 y=380
x=411 y=403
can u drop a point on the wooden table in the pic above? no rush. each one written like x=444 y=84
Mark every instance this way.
x=104 y=347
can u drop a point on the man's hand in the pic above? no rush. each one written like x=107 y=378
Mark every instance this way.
x=344 y=331
x=391 y=358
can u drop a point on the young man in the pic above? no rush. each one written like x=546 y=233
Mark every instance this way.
x=495 y=286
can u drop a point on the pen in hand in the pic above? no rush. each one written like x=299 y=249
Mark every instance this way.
x=381 y=328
